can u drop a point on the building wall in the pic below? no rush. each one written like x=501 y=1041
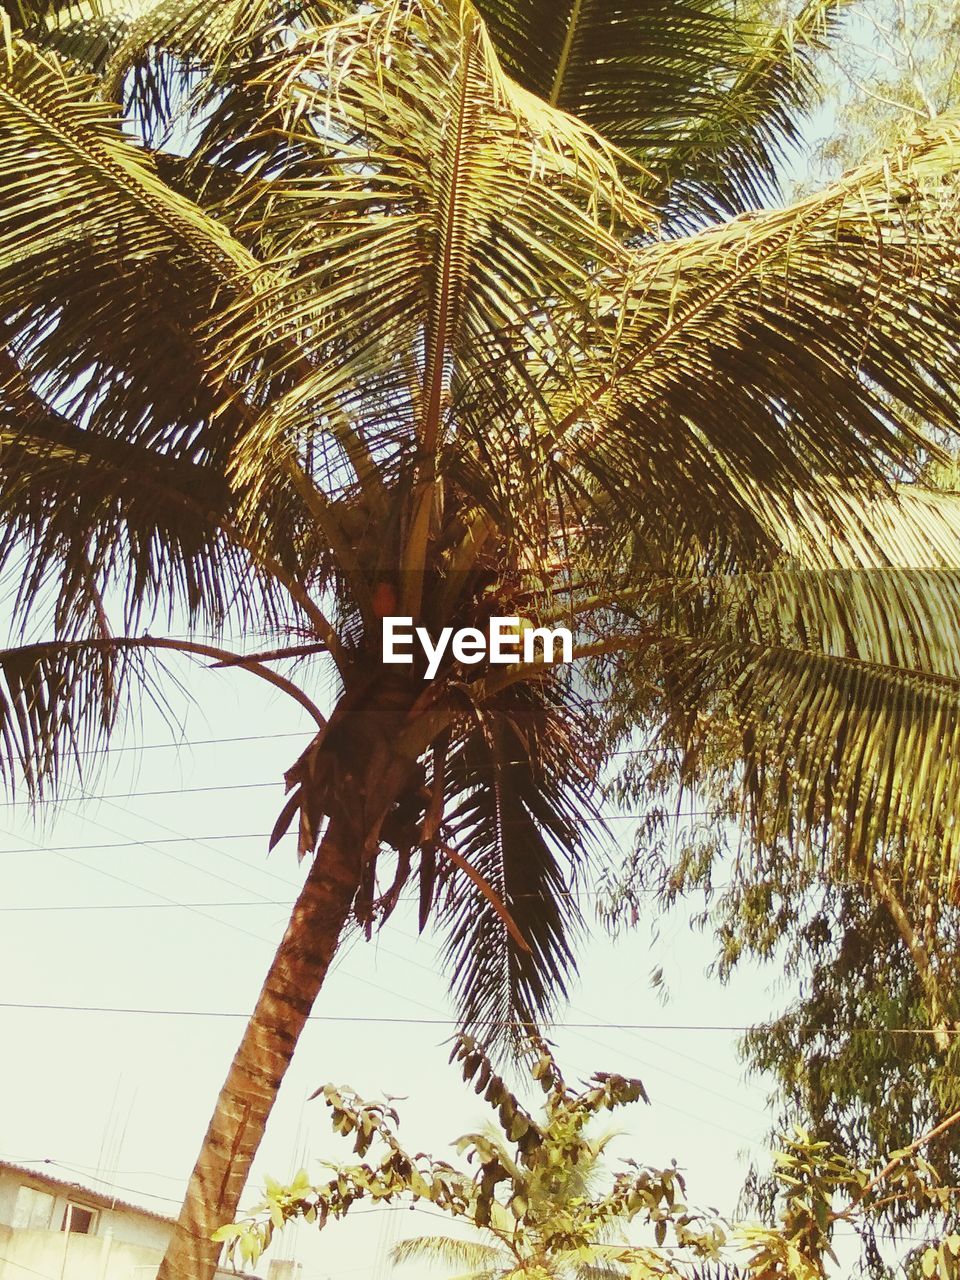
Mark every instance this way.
x=8 y=1196
x=126 y=1245
x=123 y=1225
x=64 y=1255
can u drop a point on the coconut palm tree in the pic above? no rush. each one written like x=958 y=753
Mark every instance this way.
x=314 y=315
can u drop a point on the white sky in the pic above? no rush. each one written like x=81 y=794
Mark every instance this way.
x=127 y=1096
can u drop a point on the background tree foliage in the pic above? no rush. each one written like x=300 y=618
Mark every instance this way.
x=895 y=68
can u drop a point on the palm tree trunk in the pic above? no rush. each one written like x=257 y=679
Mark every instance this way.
x=247 y=1097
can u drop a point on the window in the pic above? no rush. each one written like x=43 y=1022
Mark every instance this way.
x=79 y=1219
x=33 y=1209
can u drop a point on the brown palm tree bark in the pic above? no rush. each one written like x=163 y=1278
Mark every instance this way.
x=247 y=1097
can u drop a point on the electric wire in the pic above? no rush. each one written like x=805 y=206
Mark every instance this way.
x=391 y=1019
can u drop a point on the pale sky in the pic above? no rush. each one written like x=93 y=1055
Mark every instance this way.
x=100 y=909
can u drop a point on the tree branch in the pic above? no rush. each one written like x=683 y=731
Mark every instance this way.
x=922 y=960
x=221 y=656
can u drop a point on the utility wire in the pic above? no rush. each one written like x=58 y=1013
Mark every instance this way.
x=103 y=1182
x=729 y=1028
x=260 y=902
x=261 y=786
x=271 y=942
x=303 y=734
x=85 y=1169
x=140 y=844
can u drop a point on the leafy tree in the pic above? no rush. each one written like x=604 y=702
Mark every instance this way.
x=536 y=1192
x=864 y=1052
x=867 y=1053
x=317 y=314
x=896 y=68
x=520 y=1193
x=555 y=1195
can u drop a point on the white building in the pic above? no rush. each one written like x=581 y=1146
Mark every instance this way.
x=52 y=1229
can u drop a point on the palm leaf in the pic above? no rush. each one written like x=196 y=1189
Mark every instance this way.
x=727 y=382
x=173 y=48
x=108 y=368
x=59 y=704
x=85 y=35
x=707 y=101
x=861 y=761
x=850 y=758
x=523 y=788
x=70 y=293
x=60 y=700
x=727 y=160
x=631 y=71
x=480 y=1258
x=444 y=208
x=81 y=512
x=116 y=427
x=826 y=689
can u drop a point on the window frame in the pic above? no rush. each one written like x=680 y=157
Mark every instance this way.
x=69 y=1208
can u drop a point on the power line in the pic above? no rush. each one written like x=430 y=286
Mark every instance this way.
x=184 y=743
x=245 y=786
x=674 y=1075
x=85 y=1169
x=161 y=897
x=150 y=906
x=135 y=795
x=271 y=942
x=259 y=902
x=729 y=1028
x=89 y=1177
x=307 y=733
x=260 y=786
x=200 y=841
x=140 y=844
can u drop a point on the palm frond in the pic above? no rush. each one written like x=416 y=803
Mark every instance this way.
x=523 y=786
x=61 y=699
x=827 y=686
x=633 y=72
x=81 y=512
x=84 y=35
x=172 y=49
x=73 y=293
x=868 y=754
x=705 y=100
x=59 y=704
x=850 y=760
x=479 y=1257
x=118 y=428
x=726 y=161
x=882 y=586
x=783 y=355
x=449 y=163
x=906 y=527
